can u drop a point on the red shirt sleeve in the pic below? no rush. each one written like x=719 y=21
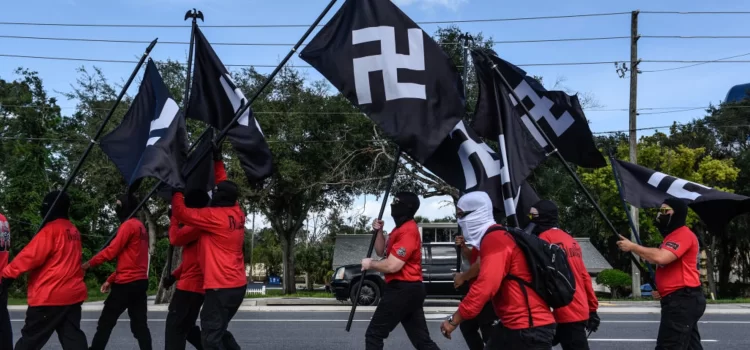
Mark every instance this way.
x=220 y=172
x=31 y=256
x=115 y=247
x=404 y=245
x=200 y=218
x=678 y=243
x=180 y=236
x=111 y=278
x=177 y=272
x=493 y=267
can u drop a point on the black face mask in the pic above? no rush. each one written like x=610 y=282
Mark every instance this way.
x=127 y=205
x=404 y=207
x=60 y=211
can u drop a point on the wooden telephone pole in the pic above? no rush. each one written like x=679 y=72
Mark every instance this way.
x=633 y=109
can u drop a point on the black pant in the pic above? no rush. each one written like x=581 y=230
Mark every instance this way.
x=130 y=296
x=680 y=312
x=401 y=303
x=572 y=336
x=219 y=307
x=6 y=331
x=183 y=312
x=536 y=338
x=470 y=329
x=42 y=321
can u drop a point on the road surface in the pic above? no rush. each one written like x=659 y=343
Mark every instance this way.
x=325 y=330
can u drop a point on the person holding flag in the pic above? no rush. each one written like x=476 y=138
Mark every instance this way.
x=574 y=319
x=404 y=291
x=56 y=289
x=678 y=281
x=129 y=283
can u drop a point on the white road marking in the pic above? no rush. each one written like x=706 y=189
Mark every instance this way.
x=645 y=340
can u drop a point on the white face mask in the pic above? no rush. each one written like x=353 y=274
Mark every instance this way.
x=477 y=209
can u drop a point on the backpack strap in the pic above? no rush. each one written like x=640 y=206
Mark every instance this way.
x=523 y=284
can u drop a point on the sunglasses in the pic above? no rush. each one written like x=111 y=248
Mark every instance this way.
x=463 y=214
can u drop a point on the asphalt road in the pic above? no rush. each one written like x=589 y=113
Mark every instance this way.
x=325 y=330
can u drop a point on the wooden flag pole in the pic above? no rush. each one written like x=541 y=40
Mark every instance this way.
x=99 y=132
x=355 y=301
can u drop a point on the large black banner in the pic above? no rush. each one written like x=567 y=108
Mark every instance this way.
x=559 y=115
x=214 y=99
x=386 y=65
x=151 y=141
x=647 y=188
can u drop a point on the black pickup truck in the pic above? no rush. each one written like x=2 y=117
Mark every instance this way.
x=439 y=263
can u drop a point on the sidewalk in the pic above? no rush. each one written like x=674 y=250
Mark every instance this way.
x=431 y=305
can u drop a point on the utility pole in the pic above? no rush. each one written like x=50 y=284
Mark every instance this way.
x=634 y=36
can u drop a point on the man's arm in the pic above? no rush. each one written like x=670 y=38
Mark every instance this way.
x=113 y=249
x=31 y=256
x=199 y=218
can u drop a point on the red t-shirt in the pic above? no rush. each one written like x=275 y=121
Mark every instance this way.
x=222 y=236
x=53 y=260
x=500 y=256
x=130 y=247
x=189 y=274
x=682 y=272
x=4 y=242
x=584 y=299
x=405 y=244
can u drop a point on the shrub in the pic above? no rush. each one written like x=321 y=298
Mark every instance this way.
x=614 y=279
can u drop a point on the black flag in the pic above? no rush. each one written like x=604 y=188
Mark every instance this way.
x=468 y=164
x=386 y=65
x=214 y=99
x=500 y=122
x=558 y=114
x=647 y=188
x=202 y=176
x=151 y=140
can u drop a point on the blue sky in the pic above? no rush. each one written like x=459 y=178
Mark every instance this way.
x=690 y=87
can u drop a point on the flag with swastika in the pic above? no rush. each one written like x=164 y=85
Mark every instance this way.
x=386 y=65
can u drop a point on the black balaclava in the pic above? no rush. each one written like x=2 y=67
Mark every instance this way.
x=404 y=207
x=197 y=198
x=668 y=223
x=225 y=194
x=547 y=218
x=60 y=211
x=128 y=202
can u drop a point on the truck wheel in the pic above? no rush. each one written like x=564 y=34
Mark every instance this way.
x=370 y=293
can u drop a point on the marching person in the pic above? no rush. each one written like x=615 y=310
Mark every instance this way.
x=222 y=228
x=404 y=292
x=129 y=283
x=526 y=321
x=6 y=331
x=574 y=319
x=188 y=297
x=677 y=277
x=56 y=289
x=477 y=331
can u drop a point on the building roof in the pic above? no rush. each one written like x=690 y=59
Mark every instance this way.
x=351 y=249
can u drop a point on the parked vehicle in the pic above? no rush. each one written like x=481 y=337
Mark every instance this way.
x=439 y=263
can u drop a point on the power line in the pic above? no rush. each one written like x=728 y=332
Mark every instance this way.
x=486 y=20
x=274 y=66
x=121 y=41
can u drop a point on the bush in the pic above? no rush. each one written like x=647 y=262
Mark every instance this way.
x=614 y=279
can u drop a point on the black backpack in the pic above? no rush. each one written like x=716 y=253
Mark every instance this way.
x=551 y=276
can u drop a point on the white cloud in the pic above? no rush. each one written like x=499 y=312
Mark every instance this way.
x=429 y=4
